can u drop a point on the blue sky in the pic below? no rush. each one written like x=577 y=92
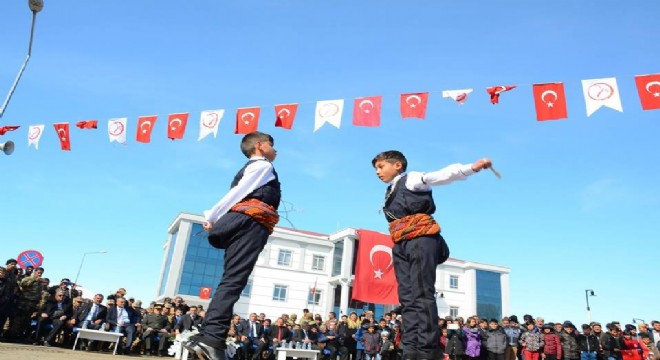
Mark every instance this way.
x=577 y=207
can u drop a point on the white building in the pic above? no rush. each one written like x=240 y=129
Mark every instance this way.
x=294 y=262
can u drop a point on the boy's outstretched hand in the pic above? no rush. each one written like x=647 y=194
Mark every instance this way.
x=207 y=226
x=484 y=163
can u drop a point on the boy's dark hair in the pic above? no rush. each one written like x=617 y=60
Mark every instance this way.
x=391 y=156
x=11 y=261
x=247 y=144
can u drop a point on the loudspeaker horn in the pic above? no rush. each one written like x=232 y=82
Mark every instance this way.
x=7 y=147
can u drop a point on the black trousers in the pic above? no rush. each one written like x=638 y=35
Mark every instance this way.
x=415 y=262
x=241 y=254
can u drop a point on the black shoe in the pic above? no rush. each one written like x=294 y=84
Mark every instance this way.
x=201 y=349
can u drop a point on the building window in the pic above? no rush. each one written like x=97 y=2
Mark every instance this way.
x=203 y=264
x=247 y=290
x=453 y=312
x=279 y=293
x=284 y=257
x=337 y=257
x=489 y=294
x=314 y=297
x=318 y=263
x=453 y=282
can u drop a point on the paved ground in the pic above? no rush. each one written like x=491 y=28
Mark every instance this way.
x=30 y=352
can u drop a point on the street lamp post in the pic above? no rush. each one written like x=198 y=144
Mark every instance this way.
x=587 y=293
x=75 y=282
x=35 y=7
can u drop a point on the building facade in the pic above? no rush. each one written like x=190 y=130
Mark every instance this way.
x=301 y=269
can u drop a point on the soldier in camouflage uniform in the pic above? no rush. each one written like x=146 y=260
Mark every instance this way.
x=30 y=295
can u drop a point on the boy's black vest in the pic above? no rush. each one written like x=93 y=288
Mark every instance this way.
x=402 y=202
x=269 y=193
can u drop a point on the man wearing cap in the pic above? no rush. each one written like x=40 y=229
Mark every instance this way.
x=611 y=343
x=28 y=299
x=154 y=326
x=569 y=343
x=588 y=344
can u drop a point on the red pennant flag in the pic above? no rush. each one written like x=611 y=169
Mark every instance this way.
x=247 y=120
x=375 y=281
x=5 y=129
x=366 y=111
x=145 y=126
x=648 y=87
x=205 y=292
x=62 y=130
x=550 y=101
x=284 y=115
x=87 y=124
x=495 y=91
x=176 y=125
x=413 y=105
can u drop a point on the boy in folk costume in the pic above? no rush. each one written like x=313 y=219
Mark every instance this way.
x=418 y=245
x=239 y=223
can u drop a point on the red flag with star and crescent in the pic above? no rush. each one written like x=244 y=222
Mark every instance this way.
x=176 y=125
x=5 y=129
x=205 y=292
x=495 y=92
x=550 y=101
x=284 y=115
x=62 y=130
x=144 y=127
x=648 y=88
x=375 y=281
x=247 y=120
x=366 y=111
x=87 y=124
x=413 y=105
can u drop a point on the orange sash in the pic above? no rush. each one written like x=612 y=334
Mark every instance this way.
x=261 y=212
x=413 y=226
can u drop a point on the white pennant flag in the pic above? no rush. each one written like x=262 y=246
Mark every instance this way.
x=34 y=134
x=601 y=92
x=117 y=130
x=459 y=95
x=328 y=111
x=208 y=123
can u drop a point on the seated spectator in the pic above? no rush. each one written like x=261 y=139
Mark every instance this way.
x=154 y=326
x=123 y=319
x=188 y=321
x=252 y=333
x=56 y=312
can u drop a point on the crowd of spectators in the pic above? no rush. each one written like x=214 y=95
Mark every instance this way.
x=33 y=311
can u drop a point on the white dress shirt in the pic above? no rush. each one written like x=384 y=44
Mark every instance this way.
x=419 y=181
x=255 y=175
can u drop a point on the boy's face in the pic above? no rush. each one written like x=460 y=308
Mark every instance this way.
x=266 y=149
x=387 y=171
x=492 y=325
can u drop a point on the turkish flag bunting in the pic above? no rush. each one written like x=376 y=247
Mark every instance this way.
x=144 y=127
x=366 y=111
x=176 y=125
x=284 y=115
x=5 y=129
x=87 y=124
x=550 y=101
x=495 y=92
x=62 y=130
x=247 y=120
x=375 y=281
x=648 y=87
x=413 y=105
x=205 y=292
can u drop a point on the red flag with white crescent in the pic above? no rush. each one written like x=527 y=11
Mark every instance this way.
x=144 y=127
x=366 y=111
x=247 y=120
x=62 y=130
x=413 y=105
x=550 y=101
x=375 y=281
x=205 y=292
x=648 y=88
x=87 y=124
x=495 y=92
x=176 y=125
x=5 y=129
x=285 y=114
